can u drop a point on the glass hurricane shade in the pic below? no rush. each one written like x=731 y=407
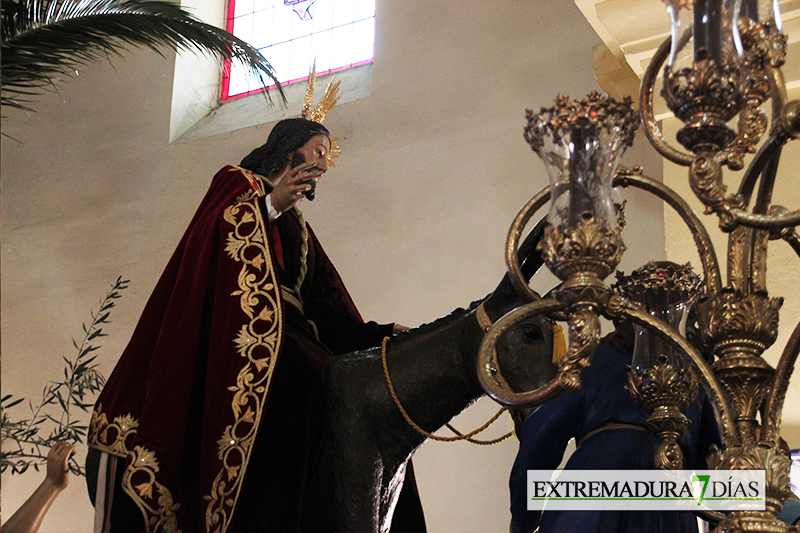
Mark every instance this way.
x=648 y=346
x=706 y=30
x=580 y=143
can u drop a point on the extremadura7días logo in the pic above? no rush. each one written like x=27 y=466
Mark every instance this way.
x=646 y=490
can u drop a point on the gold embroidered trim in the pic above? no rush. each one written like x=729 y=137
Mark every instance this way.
x=260 y=184
x=256 y=182
x=258 y=342
x=159 y=517
x=112 y=438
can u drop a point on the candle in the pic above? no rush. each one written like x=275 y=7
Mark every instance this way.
x=707 y=30
x=749 y=9
x=582 y=168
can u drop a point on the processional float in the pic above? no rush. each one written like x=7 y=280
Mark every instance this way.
x=722 y=60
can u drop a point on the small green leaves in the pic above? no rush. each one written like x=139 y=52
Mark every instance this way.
x=52 y=419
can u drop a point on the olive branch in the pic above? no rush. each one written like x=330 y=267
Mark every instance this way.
x=26 y=441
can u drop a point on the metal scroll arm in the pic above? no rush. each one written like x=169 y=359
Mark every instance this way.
x=702 y=241
x=584 y=337
x=786 y=126
x=512 y=243
x=785 y=130
x=777 y=395
x=489 y=375
x=624 y=178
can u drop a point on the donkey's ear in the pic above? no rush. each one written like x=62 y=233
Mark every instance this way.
x=530 y=259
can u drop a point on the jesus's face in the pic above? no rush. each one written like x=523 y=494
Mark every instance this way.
x=316 y=150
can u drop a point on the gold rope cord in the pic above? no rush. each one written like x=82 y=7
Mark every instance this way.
x=303 y=254
x=459 y=436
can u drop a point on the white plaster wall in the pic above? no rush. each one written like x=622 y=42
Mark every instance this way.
x=415 y=214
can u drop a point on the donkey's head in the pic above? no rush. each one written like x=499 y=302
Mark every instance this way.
x=525 y=352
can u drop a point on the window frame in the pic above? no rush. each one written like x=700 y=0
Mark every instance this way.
x=224 y=96
x=196 y=112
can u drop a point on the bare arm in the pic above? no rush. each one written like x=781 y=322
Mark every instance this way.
x=29 y=517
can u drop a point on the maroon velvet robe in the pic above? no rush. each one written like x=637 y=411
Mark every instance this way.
x=216 y=404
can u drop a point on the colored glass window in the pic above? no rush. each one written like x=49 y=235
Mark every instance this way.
x=294 y=34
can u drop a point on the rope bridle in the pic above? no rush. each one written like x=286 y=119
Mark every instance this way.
x=485 y=323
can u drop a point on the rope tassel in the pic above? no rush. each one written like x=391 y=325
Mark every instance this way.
x=559 y=344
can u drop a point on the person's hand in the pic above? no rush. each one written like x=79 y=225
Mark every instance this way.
x=290 y=187
x=58 y=464
x=398 y=328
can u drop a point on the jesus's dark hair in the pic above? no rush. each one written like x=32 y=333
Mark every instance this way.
x=287 y=135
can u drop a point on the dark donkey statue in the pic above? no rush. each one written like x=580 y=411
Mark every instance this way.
x=368 y=443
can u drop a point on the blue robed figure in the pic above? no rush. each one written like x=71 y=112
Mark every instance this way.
x=607 y=426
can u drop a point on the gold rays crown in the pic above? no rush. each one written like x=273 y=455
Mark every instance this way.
x=326 y=103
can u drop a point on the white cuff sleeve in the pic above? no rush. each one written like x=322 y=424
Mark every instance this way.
x=272 y=213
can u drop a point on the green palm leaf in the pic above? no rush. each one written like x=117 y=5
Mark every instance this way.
x=44 y=38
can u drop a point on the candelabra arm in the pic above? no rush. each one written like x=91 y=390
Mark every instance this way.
x=766 y=221
x=623 y=178
x=785 y=126
x=747 y=247
x=794 y=242
x=618 y=306
x=582 y=328
x=777 y=85
x=770 y=149
x=649 y=123
x=777 y=392
x=760 y=242
x=765 y=162
x=512 y=242
x=767 y=184
x=708 y=257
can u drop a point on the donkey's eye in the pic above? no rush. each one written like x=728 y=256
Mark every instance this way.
x=532 y=332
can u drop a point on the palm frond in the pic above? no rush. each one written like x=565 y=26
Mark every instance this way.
x=42 y=39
